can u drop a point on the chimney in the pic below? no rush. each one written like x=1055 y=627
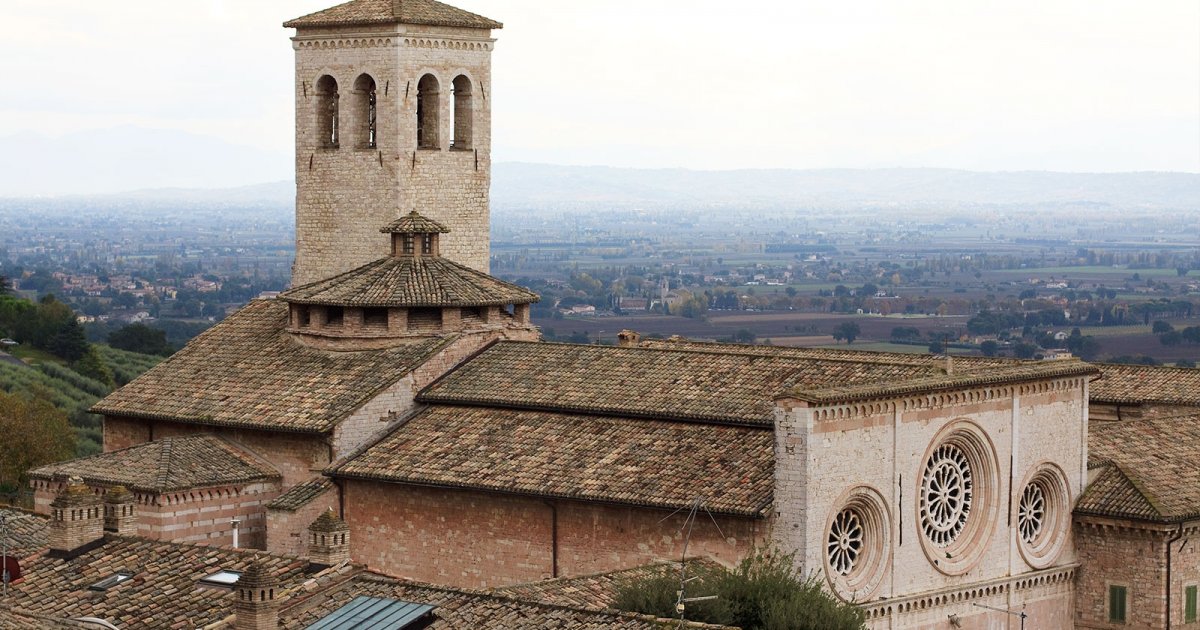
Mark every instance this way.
x=628 y=338
x=76 y=520
x=328 y=540
x=255 y=607
x=120 y=511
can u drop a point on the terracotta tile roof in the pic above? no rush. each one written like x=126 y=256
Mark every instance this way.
x=247 y=371
x=833 y=354
x=14 y=620
x=428 y=12
x=163 y=592
x=1152 y=470
x=172 y=463
x=722 y=385
x=1134 y=384
x=411 y=281
x=26 y=531
x=599 y=590
x=599 y=458
x=462 y=608
x=414 y=223
x=301 y=494
x=1018 y=373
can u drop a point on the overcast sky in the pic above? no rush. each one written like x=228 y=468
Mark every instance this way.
x=1014 y=85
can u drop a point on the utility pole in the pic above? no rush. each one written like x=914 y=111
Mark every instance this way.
x=4 y=553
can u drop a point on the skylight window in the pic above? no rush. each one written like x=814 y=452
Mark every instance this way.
x=111 y=581
x=222 y=579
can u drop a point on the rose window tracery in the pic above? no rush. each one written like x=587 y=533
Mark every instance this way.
x=845 y=541
x=1031 y=513
x=947 y=490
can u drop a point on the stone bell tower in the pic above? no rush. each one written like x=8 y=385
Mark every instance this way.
x=393 y=113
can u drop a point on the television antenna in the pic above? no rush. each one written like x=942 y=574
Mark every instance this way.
x=681 y=598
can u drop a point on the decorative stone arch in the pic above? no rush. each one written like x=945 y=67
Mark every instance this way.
x=1042 y=514
x=327 y=113
x=365 y=111
x=428 y=106
x=958 y=492
x=858 y=543
x=462 y=113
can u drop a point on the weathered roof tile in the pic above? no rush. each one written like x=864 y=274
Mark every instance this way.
x=428 y=12
x=247 y=371
x=1152 y=469
x=411 y=281
x=172 y=463
x=620 y=460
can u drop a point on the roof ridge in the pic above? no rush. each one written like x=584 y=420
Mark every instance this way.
x=1137 y=486
x=165 y=456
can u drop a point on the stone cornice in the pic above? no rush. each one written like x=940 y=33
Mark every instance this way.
x=960 y=594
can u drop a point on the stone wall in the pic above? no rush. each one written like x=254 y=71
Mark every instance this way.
x=873 y=455
x=297 y=456
x=375 y=416
x=195 y=515
x=1134 y=555
x=287 y=531
x=480 y=540
x=345 y=194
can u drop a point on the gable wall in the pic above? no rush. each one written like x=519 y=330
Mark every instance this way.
x=482 y=540
x=826 y=455
x=297 y=456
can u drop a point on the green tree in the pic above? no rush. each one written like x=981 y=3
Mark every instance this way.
x=1161 y=327
x=93 y=366
x=848 y=331
x=35 y=433
x=764 y=592
x=140 y=338
x=989 y=348
x=1025 y=350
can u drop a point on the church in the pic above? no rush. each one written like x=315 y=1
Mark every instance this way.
x=400 y=387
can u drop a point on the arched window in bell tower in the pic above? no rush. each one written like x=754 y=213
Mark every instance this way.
x=462 y=113
x=365 y=112
x=427 y=112
x=327 y=111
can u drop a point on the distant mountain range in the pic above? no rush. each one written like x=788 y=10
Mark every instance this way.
x=192 y=169
x=128 y=158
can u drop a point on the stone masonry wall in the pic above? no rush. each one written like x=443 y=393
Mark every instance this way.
x=197 y=515
x=480 y=540
x=1111 y=554
x=345 y=194
x=297 y=456
x=378 y=413
x=824 y=455
x=287 y=532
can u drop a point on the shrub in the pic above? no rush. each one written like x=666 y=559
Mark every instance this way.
x=764 y=592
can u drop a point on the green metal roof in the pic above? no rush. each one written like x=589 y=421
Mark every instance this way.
x=373 y=613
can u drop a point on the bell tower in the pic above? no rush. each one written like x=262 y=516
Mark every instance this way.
x=393 y=112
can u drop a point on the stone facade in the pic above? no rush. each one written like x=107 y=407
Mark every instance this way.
x=871 y=458
x=196 y=515
x=1118 y=552
x=286 y=529
x=344 y=194
x=479 y=540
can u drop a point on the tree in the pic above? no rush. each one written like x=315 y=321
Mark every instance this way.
x=35 y=433
x=140 y=338
x=989 y=348
x=848 y=331
x=93 y=366
x=1161 y=327
x=1025 y=350
x=764 y=591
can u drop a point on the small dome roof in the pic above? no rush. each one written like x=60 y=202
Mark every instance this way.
x=414 y=223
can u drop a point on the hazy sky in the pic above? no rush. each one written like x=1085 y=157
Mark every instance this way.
x=1012 y=85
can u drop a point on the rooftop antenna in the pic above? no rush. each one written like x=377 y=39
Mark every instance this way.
x=681 y=598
